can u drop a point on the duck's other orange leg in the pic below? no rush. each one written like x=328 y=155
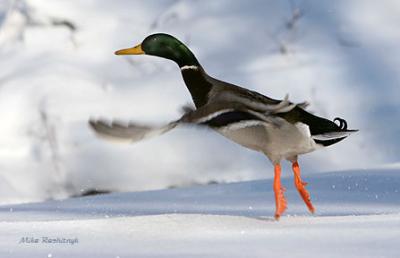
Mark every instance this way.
x=280 y=200
x=300 y=185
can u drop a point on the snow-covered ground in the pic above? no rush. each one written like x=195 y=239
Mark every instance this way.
x=57 y=69
x=358 y=215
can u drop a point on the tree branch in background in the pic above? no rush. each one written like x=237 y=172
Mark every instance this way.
x=32 y=19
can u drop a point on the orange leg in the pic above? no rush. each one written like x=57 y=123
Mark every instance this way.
x=280 y=200
x=300 y=185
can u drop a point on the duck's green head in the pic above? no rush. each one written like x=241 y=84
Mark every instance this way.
x=163 y=45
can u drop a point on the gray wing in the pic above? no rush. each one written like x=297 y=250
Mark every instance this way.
x=228 y=92
x=213 y=115
x=233 y=115
x=127 y=132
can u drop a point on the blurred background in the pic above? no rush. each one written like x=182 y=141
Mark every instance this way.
x=57 y=69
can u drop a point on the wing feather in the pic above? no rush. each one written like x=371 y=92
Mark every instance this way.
x=127 y=132
x=219 y=114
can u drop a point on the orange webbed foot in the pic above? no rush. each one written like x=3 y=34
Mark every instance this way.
x=300 y=185
x=280 y=201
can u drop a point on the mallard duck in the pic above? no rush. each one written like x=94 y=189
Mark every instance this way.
x=280 y=129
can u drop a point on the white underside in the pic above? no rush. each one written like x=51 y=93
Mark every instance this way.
x=277 y=142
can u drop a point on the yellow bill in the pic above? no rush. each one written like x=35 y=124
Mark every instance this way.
x=137 y=50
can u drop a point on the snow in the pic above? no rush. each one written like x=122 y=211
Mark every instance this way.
x=194 y=235
x=358 y=215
